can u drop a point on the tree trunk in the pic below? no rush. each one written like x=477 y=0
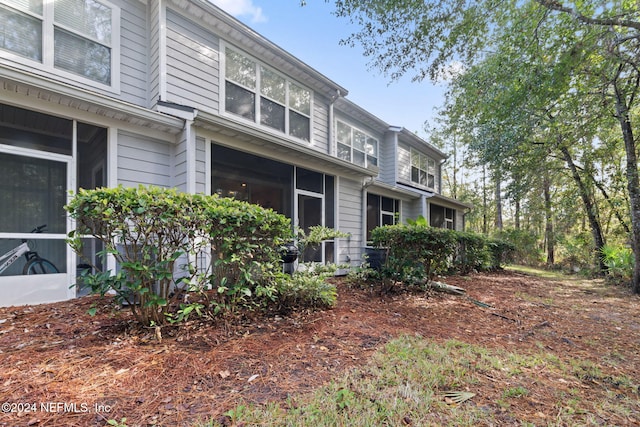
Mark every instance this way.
x=498 y=221
x=549 y=237
x=633 y=181
x=485 y=231
x=589 y=207
x=517 y=213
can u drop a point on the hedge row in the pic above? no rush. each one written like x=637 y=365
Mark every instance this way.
x=417 y=253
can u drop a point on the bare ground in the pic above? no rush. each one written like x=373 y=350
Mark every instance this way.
x=61 y=367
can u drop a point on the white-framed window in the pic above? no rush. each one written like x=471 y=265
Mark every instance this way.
x=355 y=145
x=423 y=169
x=264 y=96
x=381 y=211
x=75 y=37
x=449 y=218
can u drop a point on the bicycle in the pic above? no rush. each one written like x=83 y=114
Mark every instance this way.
x=35 y=264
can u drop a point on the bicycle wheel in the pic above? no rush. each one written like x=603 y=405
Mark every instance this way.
x=39 y=266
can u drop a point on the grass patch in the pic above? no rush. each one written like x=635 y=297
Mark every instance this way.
x=406 y=383
x=538 y=272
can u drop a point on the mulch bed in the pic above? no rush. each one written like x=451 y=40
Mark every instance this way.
x=62 y=367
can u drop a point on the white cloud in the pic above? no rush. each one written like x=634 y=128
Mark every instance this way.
x=241 y=8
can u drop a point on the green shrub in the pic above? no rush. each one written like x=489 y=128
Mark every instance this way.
x=576 y=251
x=306 y=289
x=165 y=242
x=473 y=253
x=501 y=252
x=416 y=252
x=619 y=262
x=245 y=241
x=525 y=246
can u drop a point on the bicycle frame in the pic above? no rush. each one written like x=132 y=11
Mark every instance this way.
x=13 y=255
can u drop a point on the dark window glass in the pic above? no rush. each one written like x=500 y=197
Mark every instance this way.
x=437 y=216
x=272 y=114
x=243 y=176
x=387 y=219
x=309 y=180
x=373 y=213
x=329 y=201
x=299 y=126
x=309 y=215
x=387 y=204
x=415 y=174
x=240 y=101
x=329 y=252
x=30 y=129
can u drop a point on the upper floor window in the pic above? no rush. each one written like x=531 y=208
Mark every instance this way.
x=423 y=169
x=76 y=36
x=260 y=94
x=356 y=146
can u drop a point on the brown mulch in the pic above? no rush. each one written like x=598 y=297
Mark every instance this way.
x=62 y=367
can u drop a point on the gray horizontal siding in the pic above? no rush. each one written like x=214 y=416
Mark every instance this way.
x=350 y=220
x=459 y=221
x=320 y=126
x=404 y=164
x=387 y=159
x=192 y=64
x=201 y=165
x=143 y=160
x=411 y=209
x=134 y=53
x=180 y=165
x=154 y=51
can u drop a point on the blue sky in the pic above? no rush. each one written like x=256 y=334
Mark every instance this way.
x=312 y=34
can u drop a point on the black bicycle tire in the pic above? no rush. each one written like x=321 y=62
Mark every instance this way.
x=51 y=268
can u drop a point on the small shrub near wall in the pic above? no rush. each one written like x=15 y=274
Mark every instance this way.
x=416 y=253
x=166 y=242
x=473 y=253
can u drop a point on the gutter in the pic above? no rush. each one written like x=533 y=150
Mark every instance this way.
x=204 y=119
x=119 y=110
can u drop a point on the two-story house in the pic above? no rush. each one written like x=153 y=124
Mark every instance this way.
x=177 y=93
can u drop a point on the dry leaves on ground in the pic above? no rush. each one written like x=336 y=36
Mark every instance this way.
x=80 y=370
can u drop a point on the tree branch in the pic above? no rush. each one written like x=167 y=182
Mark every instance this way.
x=605 y=22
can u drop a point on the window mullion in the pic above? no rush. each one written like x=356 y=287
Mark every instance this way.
x=286 y=107
x=258 y=92
x=48 y=53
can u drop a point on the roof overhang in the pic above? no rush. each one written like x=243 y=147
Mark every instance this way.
x=396 y=191
x=345 y=106
x=449 y=202
x=414 y=140
x=406 y=192
x=235 y=134
x=59 y=94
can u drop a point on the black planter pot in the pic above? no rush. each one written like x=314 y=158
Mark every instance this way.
x=289 y=254
x=375 y=257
